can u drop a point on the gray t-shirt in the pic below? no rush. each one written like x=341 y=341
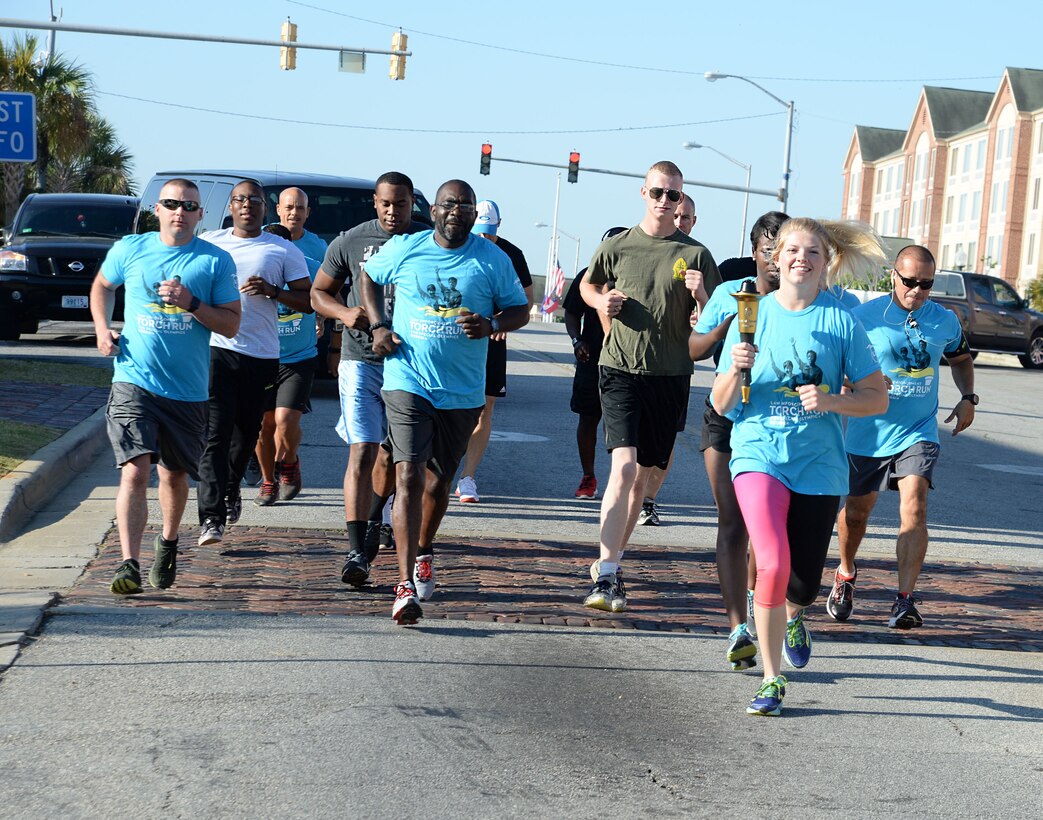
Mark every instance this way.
x=345 y=260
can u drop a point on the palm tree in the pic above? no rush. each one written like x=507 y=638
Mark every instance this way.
x=64 y=100
x=105 y=167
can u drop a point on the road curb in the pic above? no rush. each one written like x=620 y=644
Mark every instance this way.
x=29 y=487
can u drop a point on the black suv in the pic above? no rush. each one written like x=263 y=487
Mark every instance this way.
x=52 y=252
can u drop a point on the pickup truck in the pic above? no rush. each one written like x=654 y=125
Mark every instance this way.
x=53 y=249
x=994 y=317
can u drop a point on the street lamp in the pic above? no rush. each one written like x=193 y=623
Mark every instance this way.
x=570 y=236
x=712 y=76
x=746 y=199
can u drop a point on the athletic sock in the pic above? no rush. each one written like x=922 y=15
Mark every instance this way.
x=356 y=535
x=905 y=595
x=428 y=550
x=844 y=577
x=607 y=569
x=163 y=541
x=376 y=507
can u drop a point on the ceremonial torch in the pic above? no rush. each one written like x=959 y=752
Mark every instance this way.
x=747 y=297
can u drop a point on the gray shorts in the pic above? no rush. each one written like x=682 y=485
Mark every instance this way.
x=172 y=432
x=870 y=474
x=418 y=432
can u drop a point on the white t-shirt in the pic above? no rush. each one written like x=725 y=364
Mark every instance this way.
x=276 y=261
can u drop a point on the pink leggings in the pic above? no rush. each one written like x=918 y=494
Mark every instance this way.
x=790 y=533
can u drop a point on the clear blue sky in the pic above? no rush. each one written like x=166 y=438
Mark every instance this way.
x=467 y=82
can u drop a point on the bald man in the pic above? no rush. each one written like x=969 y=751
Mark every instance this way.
x=289 y=397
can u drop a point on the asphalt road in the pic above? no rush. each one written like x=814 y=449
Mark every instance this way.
x=114 y=711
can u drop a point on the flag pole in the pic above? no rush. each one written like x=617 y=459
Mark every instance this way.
x=553 y=252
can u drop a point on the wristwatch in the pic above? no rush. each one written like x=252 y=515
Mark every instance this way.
x=577 y=342
x=494 y=323
x=971 y=397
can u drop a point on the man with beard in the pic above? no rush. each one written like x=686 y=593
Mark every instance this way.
x=434 y=368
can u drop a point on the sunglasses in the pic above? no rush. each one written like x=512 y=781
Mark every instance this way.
x=174 y=204
x=671 y=194
x=452 y=205
x=253 y=199
x=922 y=284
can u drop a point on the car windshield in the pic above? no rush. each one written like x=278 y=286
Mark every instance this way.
x=337 y=209
x=79 y=219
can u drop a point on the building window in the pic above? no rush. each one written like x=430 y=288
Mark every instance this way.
x=1004 y=189
x=976 y=206
x=1030 y=258
x=981 y=154
x=896 y=221
x=1000 y=136
x=901 y=174
x=880 y=181
x=1010 y=142
x=948 y=210
x=993 y=204
x=945 y=256
x=972 y=249
x=1039 y=145
x=1035 y=191
x=955 y=161
x=966 y=159
x=963 y=208
x=885 y=228
x=890 y=178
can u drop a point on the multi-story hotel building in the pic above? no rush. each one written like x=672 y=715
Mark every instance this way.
x=963 y=179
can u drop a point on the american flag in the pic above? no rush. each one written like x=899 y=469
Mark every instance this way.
x=555 y=285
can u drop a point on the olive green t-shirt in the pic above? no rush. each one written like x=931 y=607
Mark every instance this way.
x=650 y=334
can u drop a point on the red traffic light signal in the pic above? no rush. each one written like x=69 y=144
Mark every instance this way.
x=574 y=166
x=487 y=158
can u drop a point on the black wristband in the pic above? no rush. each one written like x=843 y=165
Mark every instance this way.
x=576 y=342
x=386 y=324
x=193 y=306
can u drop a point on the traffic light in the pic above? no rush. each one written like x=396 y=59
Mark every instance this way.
x=398 y=61
x=574 y=166
x=487 y=158
x=288 y=56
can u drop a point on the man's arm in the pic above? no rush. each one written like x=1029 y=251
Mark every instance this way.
x=102 y=303
x=477 y=326
x=962 y=369
x=298 y=297
x=324 y=298
x=221 y=319
x=384 y=341
x=702 y=345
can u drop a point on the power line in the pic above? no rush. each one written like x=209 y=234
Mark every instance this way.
x=396 y=129
x=583 y=61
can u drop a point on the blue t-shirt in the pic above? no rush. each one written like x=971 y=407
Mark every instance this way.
x=434 y=285
x=773 y=434
x=164 y=349
x=722 y=306
x=844 y=296
x=910 y=347
x=297 y=339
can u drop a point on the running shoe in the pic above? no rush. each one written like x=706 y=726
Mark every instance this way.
x=595 y=569
x=355 y=570
x=127 y=580
x=211 y=532
x=602 y=594
x=904 y=614
x=797 y=647
x=234 y=505
x=289 y=480
x=619 y=593
x=751 y=621
x=387 y=537
x=252 y=474
x=467 y=490
x=742 y=651
x=424 y=576
x=164 y=567
x=649 y=515
x=588 y=487
x=841 y=600
x=406 y=609
x=267 y=494
x=768 y=700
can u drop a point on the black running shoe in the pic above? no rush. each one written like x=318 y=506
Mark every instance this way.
x=234 y=504
x=841 y=600
x=252 y=474
x=127 y=580
x=904 y=614
x=387 y=537
x=601 y=595
x=356 y=569
x=164 y=567
x=371 y=546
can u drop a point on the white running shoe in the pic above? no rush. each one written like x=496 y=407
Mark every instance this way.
x=407 y=609
x=467 y=490
x=424 y=576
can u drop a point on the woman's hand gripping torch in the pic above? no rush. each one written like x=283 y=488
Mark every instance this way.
x=747 y=297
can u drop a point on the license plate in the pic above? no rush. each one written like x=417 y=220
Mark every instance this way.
x=74 y=301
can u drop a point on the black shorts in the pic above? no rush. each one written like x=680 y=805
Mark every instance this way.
x=717 y=431
x=172 y=432
x=870 y=474
x=586 y=397
x=682 y=420
x=418 y=432
x=642 y=411
x=292 y=388
x=496 y=369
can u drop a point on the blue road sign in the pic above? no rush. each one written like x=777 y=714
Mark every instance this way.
x=17 y=127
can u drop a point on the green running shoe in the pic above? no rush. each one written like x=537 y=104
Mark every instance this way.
x=164 y=567
x=768 y=700
x=127 y=580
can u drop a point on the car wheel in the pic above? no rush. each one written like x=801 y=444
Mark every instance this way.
x=1033 y=359
x=9 y=334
